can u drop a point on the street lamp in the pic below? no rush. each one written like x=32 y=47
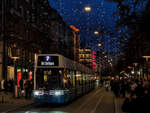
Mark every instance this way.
x=87 y=8
x=96 y=32
x=15 y=57
x=15 y=76
x=99 y=45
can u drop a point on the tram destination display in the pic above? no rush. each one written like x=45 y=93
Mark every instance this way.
x=47 y=61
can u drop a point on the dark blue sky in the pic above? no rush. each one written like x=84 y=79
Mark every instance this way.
x=73 y=13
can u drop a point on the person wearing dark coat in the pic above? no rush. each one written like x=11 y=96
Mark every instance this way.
x=135 y=104
x=145 y=101
x=139 y=90
x=26 y=88
x=21 y=84
x=6 y=86
x=30 y=86
x=126 y=104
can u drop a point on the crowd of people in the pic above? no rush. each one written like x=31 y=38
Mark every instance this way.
x=135 y=91
x=25 y=87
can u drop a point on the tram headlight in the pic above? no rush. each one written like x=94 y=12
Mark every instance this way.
x=57 y=92
x=37 y=93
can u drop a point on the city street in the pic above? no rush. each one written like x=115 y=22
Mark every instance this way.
x=97 y=101
x=74 y=56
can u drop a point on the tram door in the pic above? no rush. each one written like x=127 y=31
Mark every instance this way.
x=47 y=73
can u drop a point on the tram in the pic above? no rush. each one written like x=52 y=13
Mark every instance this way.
x=58 y=79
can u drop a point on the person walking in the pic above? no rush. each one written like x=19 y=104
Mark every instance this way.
x=6 y=86
x=30 y=86
x=2 y=85
x=26 y=88
x=126 y=106
x=21 y=84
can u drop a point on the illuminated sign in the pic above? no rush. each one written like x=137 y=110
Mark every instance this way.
x=74 y=28
x=93 y=60
x=48 y=61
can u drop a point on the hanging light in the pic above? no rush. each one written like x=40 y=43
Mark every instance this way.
x=99 y=45
x=87 y=8
x=96 y=32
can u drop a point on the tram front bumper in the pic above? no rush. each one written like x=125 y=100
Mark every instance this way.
x=56 y=97
x=51 y=99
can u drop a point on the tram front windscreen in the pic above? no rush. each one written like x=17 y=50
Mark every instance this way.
x=49 y=79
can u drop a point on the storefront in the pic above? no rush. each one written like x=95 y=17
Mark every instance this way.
x=22 y=73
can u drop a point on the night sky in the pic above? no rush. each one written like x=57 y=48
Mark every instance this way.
x=101 y=13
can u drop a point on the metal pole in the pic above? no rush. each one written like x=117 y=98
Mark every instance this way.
x=15 y=80
x=35 y=66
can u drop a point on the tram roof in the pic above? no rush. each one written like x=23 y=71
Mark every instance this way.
x=67 y=63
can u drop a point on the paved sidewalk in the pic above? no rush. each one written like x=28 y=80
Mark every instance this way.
x=9 y=103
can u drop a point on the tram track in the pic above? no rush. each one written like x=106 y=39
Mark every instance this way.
x=98 y=95
x=93 y=102
x=99 y=101
x=89 y=99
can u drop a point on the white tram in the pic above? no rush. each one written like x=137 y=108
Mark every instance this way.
x=58 y=79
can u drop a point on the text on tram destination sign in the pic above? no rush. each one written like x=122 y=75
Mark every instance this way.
x=48 y=61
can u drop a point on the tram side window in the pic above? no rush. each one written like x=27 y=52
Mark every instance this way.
x=68 y=79
x=79 y=79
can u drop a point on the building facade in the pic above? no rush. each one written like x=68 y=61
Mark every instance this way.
x=28 y=27
x=85 y=57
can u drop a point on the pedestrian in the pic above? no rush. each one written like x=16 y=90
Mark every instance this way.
x=21 y=84
x=30 y=86
x=12 y=85
x=2 y=85
x=26 y=89
x=134 y=104
x=126 y=104
x=139 y=90
x=21 y=87
x=144 y=101
x=6 y=86
x=9 y=85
